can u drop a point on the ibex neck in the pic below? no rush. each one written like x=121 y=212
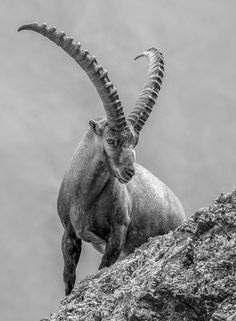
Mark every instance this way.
x=88 y=171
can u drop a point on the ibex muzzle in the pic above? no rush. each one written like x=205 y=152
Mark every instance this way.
x=106 y=198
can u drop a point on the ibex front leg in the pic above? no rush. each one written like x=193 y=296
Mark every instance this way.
x=71 y=249
x=114 y=245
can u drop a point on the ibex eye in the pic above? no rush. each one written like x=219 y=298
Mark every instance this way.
x=110 y=141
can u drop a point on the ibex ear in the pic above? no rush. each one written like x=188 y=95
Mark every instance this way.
x=96 y=126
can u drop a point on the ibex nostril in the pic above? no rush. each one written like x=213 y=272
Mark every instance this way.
x=129 y=172
x=132 y=172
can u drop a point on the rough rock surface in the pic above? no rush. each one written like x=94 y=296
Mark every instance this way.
x=188 y=274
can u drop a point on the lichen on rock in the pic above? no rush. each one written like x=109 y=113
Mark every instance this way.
x=188 y=274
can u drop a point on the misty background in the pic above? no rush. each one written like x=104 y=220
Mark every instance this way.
x=47 y=101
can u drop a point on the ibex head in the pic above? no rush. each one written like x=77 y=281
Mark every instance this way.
x=117 y=148
x=116 y=134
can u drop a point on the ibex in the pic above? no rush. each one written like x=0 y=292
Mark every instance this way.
x=106 y=198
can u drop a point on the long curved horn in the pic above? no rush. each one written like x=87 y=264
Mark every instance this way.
x=97 y=74
x=149 y=94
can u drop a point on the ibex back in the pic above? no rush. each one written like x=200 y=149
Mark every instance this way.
x=106 y=198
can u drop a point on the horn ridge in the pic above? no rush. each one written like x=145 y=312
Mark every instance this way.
x=152 y=86
x=97 y=74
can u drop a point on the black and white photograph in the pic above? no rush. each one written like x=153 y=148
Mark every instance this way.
x=118 y=160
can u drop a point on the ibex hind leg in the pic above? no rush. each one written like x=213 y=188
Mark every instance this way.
x=71 y=249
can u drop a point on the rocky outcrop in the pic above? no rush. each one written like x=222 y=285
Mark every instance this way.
x=188 y=274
